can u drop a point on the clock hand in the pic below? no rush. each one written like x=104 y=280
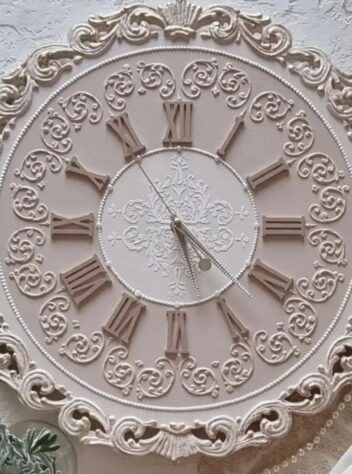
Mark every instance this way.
x=183 y=244
x=138 y=161
x=182 y=228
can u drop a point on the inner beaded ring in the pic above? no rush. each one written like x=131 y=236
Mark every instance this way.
x=123 y=239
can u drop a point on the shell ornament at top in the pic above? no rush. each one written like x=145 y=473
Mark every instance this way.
x=175 y=242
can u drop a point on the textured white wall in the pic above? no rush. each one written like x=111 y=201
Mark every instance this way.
x=27 y=24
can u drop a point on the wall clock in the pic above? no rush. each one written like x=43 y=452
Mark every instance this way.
x=175 y=242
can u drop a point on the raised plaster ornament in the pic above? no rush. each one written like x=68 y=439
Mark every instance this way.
x=175 y=234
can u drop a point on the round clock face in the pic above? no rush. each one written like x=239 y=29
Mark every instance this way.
x=176 y=224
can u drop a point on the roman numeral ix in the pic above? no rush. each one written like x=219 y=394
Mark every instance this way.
x=81 y=226
x=85 y=279
x=124 y=319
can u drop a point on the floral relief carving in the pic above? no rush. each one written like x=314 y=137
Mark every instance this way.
x=35 y=166
x=271 y=105
x=118 y=86
x=303 y=318
x=321 y=286
x=331 y=245
x=204 y=74
x=275 y=348
x=83 y=349
x=300 y=134
x=191 y=200
x=198 y=75
x=26 y=204
x=55 y=132
x=79 y=107
x=331 y=206
x=236 y=85
x=52 y=318
x=156 y=76
x=31 y=281
x=321 y=168
x=22 y=244
x=149 y=382
x=198 y=380
x=239 y=368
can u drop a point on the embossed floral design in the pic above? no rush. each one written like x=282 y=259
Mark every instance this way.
x=149 y=223
x=81 y=106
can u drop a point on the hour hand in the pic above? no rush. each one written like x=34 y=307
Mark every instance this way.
x=184 y=248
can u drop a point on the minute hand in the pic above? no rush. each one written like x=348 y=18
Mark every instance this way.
x=182 y=228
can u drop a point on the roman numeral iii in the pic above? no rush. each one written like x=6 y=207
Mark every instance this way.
x=177 y=340
x=283 y=226
x=85 y=279
x=271 y=279
x=237 y=329
x=124 y=319
x=81 y=226
x=130 y=142
x=264 y=176
x=179 y=120
x=99 y=180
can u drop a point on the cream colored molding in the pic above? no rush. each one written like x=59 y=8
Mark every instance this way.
x=80 y=417
x=179 y=20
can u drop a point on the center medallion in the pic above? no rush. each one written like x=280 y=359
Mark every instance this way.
x=214 y=206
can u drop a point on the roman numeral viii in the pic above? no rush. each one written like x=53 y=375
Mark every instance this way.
x=82 y=226
x=177 y=340
x=179 y=120
x=85 y=279
x=283 y=226
x=271 y=279
x=124 y=319
x=237 y=329
x=130 y=142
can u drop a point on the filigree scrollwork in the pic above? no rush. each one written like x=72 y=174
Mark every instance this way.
x=117 y=372
x=271 y=105
x=300 y=134
x=156 y=76
x=321 y=286
x=22 y=244
x=320 y=167
x=55 y=132
x=198 y=75
x=118 y=86
x=339 y=93
x=35 y=166
x=83 y=349
x=26 y=204
x=154 y=382
x=79 y=107
x=236 y=85
x=198 y=380
x=32 y=282
x=331 y=206
x=276 y=348
x=332 y=247
x=52 y=318
x=303 y=318
x=239 y=368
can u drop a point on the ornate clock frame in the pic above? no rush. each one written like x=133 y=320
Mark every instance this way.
x=176 y=23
